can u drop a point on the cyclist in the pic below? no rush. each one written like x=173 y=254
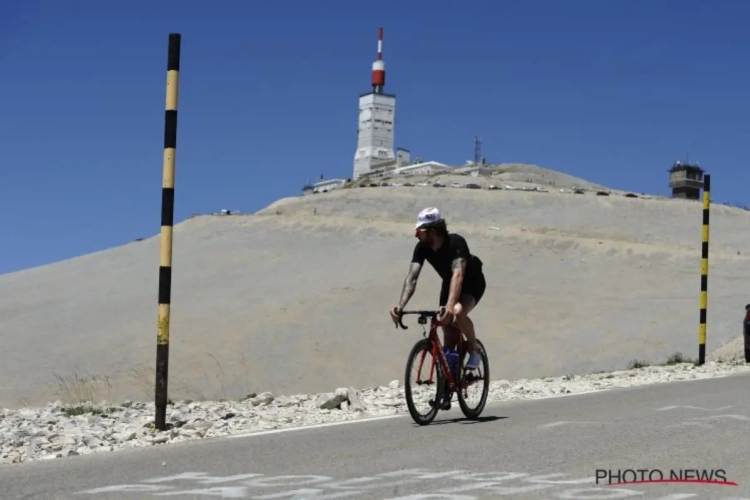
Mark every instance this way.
x=461 y=272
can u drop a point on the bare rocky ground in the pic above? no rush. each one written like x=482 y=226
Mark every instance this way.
x=734 y=349
x=294 y=299
x=516 y=174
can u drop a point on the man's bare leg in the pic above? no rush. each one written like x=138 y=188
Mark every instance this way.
x=465 y=305
x=450 y=336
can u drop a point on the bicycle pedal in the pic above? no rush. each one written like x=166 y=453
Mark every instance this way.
x=445 y=405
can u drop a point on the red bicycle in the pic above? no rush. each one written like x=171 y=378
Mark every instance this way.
x=445 y=381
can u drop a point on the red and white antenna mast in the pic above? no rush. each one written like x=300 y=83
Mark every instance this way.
x=378 y=67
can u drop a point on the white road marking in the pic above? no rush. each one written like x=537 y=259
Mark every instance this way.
x=566 y=422
x=733 y=417
x=599 y=493
x=702 y=425
x=693 y=408
x=677 y=496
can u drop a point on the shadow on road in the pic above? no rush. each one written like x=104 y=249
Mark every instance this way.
x=464 y=420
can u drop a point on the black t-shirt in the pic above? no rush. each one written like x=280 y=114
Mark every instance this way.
x=441 y=259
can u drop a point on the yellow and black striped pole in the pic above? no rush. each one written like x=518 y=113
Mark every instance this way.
x=167 y=220
x=704 y=271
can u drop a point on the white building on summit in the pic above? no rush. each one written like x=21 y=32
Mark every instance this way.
x=377 y=112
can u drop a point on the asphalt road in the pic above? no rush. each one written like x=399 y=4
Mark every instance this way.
x=548 y=449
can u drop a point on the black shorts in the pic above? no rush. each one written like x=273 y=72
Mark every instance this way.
x=473 y=286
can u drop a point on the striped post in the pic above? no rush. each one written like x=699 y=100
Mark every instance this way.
x=704 y=271
x=167 y=220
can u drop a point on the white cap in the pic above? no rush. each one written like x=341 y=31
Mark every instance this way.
x=428 y=216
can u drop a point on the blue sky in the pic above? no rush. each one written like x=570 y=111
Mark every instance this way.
x=611 y=91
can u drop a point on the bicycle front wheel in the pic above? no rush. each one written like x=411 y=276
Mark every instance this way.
x=423 y=371
x=474 y=381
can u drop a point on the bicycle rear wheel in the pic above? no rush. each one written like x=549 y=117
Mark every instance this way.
x=471 y=380
x=428 y=379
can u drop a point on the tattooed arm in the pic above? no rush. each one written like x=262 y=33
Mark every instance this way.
x=410 y=284
x=457 y=280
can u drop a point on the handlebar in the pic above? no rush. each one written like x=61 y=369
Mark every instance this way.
x=423 y=314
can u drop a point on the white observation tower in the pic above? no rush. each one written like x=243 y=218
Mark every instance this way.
x=377 y=112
